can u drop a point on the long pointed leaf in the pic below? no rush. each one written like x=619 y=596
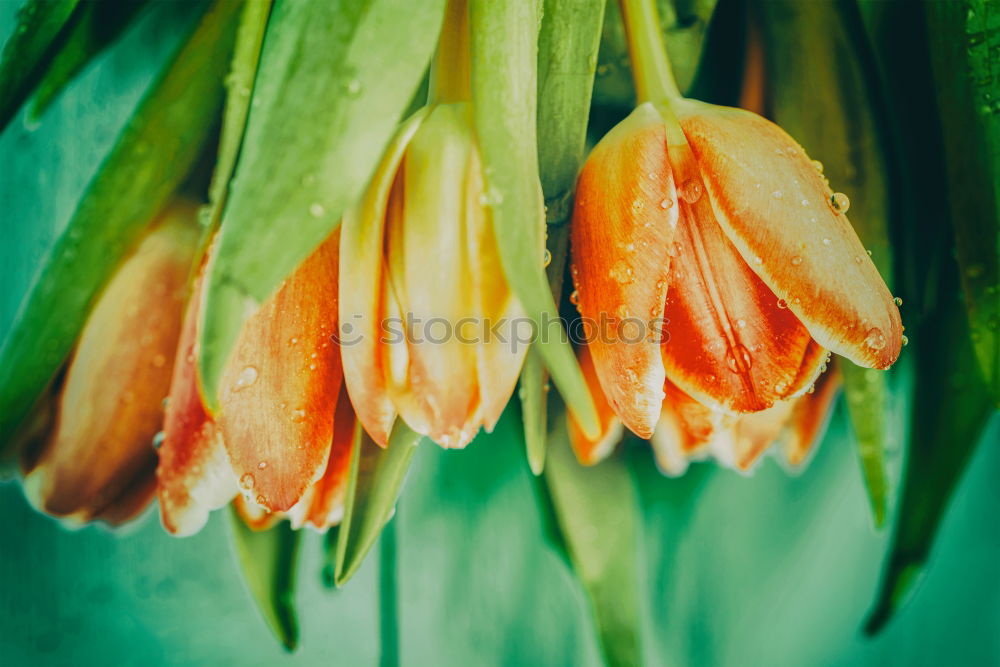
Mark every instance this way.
x=504 y=69
x=96 y=26
x=39 y=24
x=376 y=479
x=334 y=79
x=965 y=42
x=151 y=158
x=268 y=561
x=820 y=93
x=597 y=512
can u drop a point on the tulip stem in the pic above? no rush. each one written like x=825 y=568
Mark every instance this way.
x=654 y=78
x=450 y=80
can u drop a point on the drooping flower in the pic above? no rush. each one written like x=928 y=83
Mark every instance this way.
x=98 y=460
x=429 y=305
x=285 y=430
x=712 y=230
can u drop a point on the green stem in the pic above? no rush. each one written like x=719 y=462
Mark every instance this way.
x=654 y=78
x=388 y=603
x=450 y=80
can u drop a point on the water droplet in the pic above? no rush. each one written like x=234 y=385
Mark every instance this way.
x=353 y=87
x=804 y=202
x=827 y=241
x=622 y=311
x=875 y=339
x=898 y=301
x=298 y=416
x=738 y=359
x=782 y=304
x=159 y=360
x=710 y=378
x=293 y=341
x=247 y=481
x=758 y=260
x=312 y=367
x=652 y=174
x=261 y=465
x=638 y=205
x=796 y=260
x=158 y=439
x=261 y=500
x=690 y=191
x=574 y=297
x=316 y=210
x=741 y=323
x=666 y=203
x=547 y=257
x=661 y=285
x=246 y=378
x=777 y=194
x=857 y=260
x=631 y=376
x=905 y=340
x=818 y=165
x=839 y=202
x=622 y=272
x=780 y=387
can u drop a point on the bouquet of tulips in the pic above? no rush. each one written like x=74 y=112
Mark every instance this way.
x=336 y=231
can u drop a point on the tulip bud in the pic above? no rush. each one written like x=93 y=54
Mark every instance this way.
x=429 y=304
x=99 y=460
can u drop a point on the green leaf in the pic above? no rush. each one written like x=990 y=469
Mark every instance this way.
x=334 y=79
x=239 y=84
x=533 y=409
x=376 y=479
x=597 y=512
x=268 y=560
x=39 y=23
x=96 y=26
x=685 y=25
x=504 y=63
x=951 y=406
x=821 y=93
x=965 y=42
x=152 y=157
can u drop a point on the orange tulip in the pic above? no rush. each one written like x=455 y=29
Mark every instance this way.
x=715 y=223
x=98 y=461
x=419 y=248
x=284 y=433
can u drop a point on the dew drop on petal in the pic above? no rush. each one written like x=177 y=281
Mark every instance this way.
x=622 y=312
x=574 y=297
x=777 y=194
x=738 y=359
x=547 y=257
x=298 y=416
x=782 y=304
x=317 y=210
x=622 y=272
x=897 y=301
x=827 y=241
x=666 y=203
x=262 y=465
x=905 y=341
x=246 y=378
x=839 y=202
x=780 y=387
x=159 y=360
x=875 y=339
x=741 y=323
x=796 y=260
x=818 y=165
x=261 y=500
x=690 y=191
x=247 y=481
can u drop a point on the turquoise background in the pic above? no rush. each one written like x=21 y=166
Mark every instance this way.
x=773 y=569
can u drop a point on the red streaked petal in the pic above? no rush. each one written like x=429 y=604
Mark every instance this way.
x=754 y=433
x=194 y=475
x=255 y=516
x=623 y=230
x=588 y=451
x=280 y=387
x=773 y=204
x=361 y=305
x=729 y=343
x=687 y=430
x=810 y=417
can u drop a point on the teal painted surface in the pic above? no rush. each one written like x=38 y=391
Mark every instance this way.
x=773 y=569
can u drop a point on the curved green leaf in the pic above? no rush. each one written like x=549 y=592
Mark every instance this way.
x=376 y=479
x=597 y=512
x=152 y=157
x=334 y=79
x=965 y=54
x=504 y=91
x=39 y=23
x=96 y=26
x=268 y=560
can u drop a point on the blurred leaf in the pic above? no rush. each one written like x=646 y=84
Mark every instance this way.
x=685 y=26
x=95 y=26
x=39 y=23
x=965 y=54
x=376 y=479
x=239 y=85
x=597 y=512
x=152 y=157
x=388 y=594
x=533 y=409
x=951 y=407
x=504 y=86
x=819 y=90
x=333 y=81
x=721 y=68
x=268 y=561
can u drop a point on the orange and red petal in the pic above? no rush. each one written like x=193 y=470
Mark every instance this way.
x=779 y=212
x=810 y=417
x=280 y=386
x=592 y=451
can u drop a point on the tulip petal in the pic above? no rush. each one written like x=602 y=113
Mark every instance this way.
x=428 y=270
x=773 y=204
x=280 y=386
x=194 y=475
x=361 y=301
x=623 y=229
x=687 y=430
x=730 y=343
x=754 y=433
x=810 y=418
x=103 y=438
x=132 y=502
x=501 y=344
x=589 y=451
